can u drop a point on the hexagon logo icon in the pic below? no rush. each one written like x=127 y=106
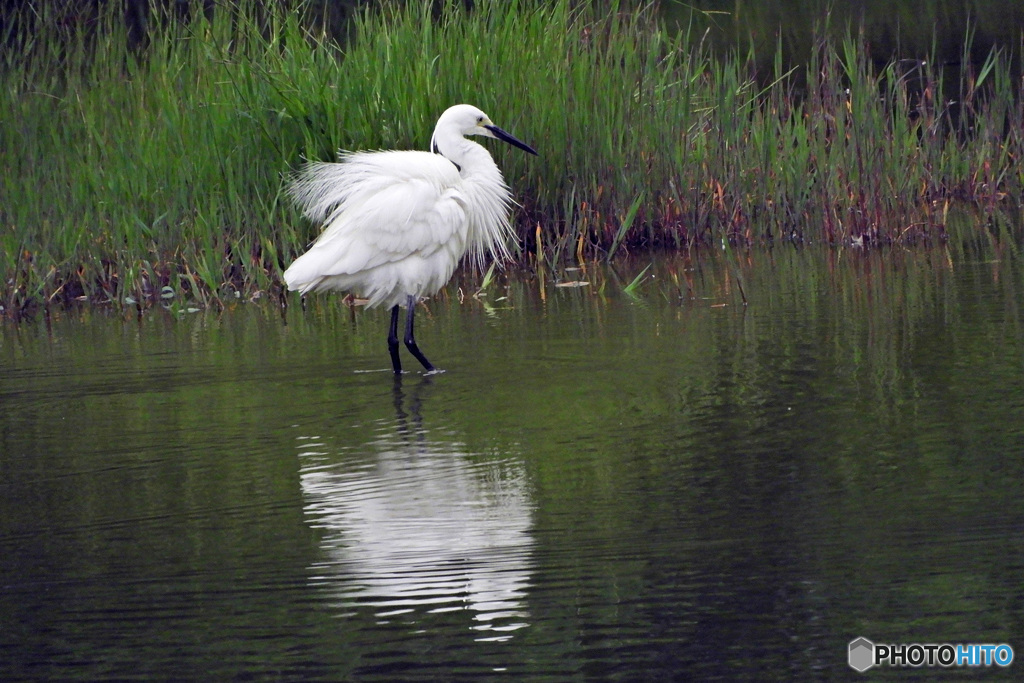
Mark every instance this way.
x=862 y=654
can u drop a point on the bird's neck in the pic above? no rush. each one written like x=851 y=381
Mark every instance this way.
x=471 y=158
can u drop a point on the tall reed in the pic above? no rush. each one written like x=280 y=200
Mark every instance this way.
x=147 y=175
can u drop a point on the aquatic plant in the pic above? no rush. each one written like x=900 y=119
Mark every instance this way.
x=133 y=169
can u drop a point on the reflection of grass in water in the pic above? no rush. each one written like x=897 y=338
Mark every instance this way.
x=130 y=174
x=869 y=368
x=906 y=28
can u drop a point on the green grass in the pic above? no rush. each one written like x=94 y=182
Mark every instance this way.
x=135 y=177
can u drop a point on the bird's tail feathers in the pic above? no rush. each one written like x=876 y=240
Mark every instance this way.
x=318 y=188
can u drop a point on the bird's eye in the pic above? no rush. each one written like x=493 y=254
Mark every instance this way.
x=479 y=120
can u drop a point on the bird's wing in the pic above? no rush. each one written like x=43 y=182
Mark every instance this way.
x=381 y=207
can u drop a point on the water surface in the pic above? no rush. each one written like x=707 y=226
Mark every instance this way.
x=666 y=485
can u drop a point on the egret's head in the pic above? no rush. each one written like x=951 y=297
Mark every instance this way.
x=464 y=120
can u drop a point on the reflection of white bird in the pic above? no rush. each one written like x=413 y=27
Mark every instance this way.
x=396 y=223
x=422 y=527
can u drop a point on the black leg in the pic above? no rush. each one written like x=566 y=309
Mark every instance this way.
x=396 y=362
x=410 y=339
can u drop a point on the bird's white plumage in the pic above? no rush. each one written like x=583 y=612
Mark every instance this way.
x=397 y=223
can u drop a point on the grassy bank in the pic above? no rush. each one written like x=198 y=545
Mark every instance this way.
x=136 y=177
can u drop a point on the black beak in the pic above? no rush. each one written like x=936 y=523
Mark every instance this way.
x=511 y=139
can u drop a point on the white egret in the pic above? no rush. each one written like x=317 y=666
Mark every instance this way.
x=397 y=223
